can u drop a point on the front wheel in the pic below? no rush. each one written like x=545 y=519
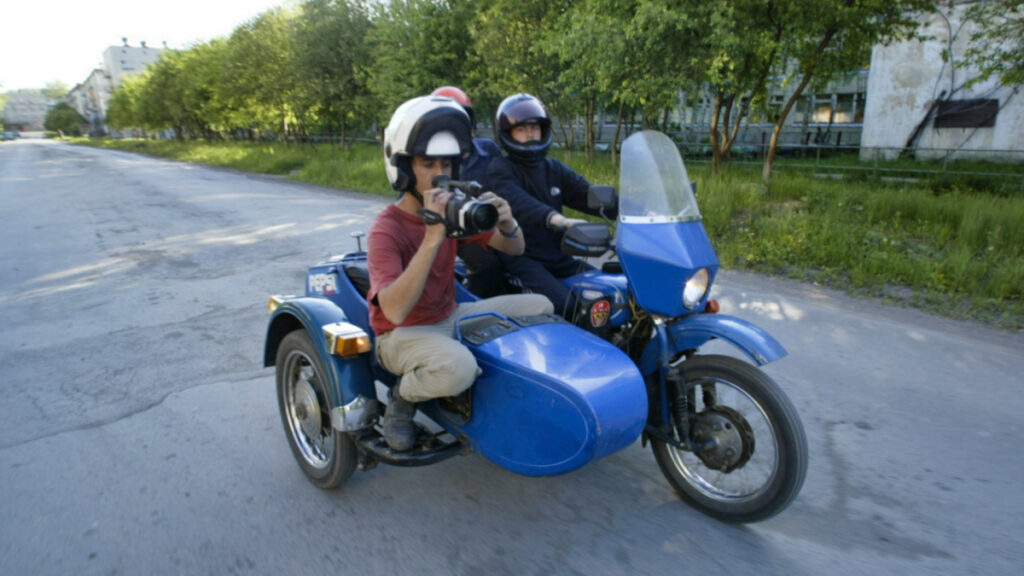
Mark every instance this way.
x=327 y=456
x=750 y=454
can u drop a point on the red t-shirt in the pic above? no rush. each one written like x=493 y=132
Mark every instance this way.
x=394 y=238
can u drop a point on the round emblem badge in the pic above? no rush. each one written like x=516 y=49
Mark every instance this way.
x=599 y=313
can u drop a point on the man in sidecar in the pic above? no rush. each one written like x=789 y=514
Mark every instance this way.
x=537 y=187
x=411 y=254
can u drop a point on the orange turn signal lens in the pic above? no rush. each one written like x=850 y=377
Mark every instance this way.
x=711 y=307
x=345 y=339
x=274 y=302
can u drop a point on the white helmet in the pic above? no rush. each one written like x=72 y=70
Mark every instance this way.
x=426 y=126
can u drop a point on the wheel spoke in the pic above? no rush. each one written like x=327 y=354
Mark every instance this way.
x=328 y=457
x=306 y=373
x=749 y=456
x=303 y=382
x=756 y=473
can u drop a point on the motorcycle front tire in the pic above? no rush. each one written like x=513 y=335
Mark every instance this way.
x=777 y=444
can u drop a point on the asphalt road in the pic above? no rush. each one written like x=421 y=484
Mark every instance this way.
x=139 y=432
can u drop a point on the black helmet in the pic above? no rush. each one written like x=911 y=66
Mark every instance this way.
x=523 y=109
x=425 y=126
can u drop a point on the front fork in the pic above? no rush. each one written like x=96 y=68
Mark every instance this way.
x=674 y=408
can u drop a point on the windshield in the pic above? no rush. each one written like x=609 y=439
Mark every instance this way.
x=653 y=186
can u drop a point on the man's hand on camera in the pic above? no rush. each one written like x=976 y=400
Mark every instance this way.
x=433 y=205
x=504 y=210
x=434 y=201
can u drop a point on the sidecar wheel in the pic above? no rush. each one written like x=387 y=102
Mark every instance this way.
x=757 y=456
x=327 y=456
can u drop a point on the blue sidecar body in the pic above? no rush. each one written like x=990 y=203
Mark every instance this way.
x=552 y=397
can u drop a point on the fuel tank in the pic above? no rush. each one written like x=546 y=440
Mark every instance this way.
x=552 y=397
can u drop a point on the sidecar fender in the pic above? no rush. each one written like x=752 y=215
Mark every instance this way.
x=691 y=332
x=349 y=380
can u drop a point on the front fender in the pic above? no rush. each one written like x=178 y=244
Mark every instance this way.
x=348 y=379
x=693 y=331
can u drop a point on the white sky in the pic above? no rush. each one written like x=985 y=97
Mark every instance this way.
x=43 y=41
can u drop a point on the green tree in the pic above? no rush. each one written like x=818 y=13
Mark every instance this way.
x=825 y=38
x=997 y=48
x=161 y=104
x=738 y=46
x=205 y=110
x=417 y=46
x=122 y=111
x=588 y=42
x=331 y=53
x=64 y=119
x=661 y=38
x=260 y=75
x=513 y=51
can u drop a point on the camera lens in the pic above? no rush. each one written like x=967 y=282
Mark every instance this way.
x=484 y=216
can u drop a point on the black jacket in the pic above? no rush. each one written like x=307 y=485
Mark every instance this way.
x=535 y=192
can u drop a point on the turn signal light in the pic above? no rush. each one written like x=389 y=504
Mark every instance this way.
x=345 y=339
x=274 y=302
x=711 y=307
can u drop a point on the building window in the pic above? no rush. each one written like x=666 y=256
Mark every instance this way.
x=823 y=111
x=849 y=108
x=975 y=113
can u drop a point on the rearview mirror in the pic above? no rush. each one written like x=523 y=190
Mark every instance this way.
x=601 y=197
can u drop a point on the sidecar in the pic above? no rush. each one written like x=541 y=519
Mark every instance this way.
x=552 y=396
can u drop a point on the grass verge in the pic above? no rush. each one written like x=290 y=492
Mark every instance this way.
x=949 y=245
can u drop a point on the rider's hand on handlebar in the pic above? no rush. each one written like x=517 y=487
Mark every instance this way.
x=559 y=222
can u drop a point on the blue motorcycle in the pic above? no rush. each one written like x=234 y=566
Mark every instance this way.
x=558 y=393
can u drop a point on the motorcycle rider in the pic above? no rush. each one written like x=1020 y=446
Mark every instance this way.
x=411 y=260
x=474 y=165
x=486 y=276
x=537 y=187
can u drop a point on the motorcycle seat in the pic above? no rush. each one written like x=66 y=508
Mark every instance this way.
x=359 y=274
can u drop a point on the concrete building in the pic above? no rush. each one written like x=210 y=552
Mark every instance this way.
x=92 y=97
x=917 y=102
x=25 y=110
x=121 y=61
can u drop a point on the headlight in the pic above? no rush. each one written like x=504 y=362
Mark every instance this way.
x=695 y=288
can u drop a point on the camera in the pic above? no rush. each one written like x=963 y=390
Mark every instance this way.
x=464 y=215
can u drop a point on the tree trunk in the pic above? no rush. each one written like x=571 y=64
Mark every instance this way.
x=615 y=138
x=566 y=129
x=588 y=128
x=911 y=143
x=713 y=134
x=769 y=157
x=735 y=131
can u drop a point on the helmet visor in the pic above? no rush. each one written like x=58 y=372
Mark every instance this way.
x=526 y=110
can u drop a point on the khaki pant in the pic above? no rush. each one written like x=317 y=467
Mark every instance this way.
x=432 y=364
